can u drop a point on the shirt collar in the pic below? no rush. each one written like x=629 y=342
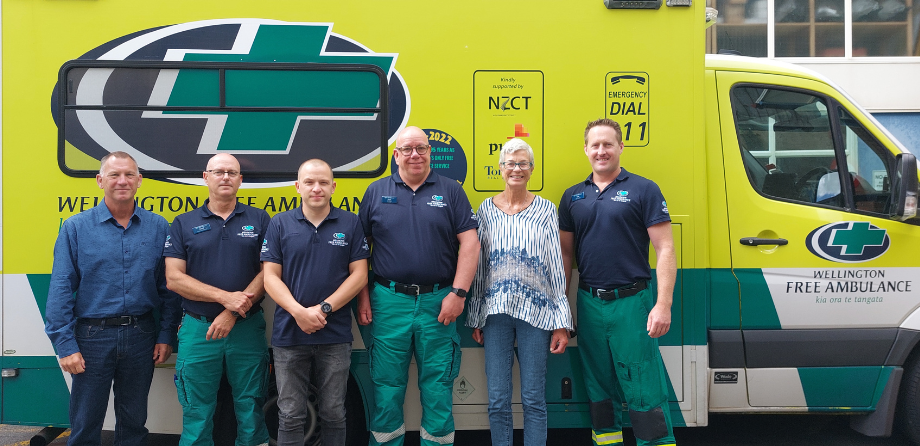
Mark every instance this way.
x=621 y=177
x=237 y=209
x=103 y=213
x=432 y=177
x=333 y=214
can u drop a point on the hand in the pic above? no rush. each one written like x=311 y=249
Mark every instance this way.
x=477 y=336
x=310 y=319
x=659 y=321
x=221 y=326
x=451 y=308
x=559 y=341
x=238 y=302
x=161 y=352
x=73 y=364
x=364 y=309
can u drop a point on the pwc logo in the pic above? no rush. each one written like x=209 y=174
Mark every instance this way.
x=214 y=118
x=848 y=242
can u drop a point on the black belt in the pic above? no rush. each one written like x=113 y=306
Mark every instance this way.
x=411 y=289
x=202 y=317
x=114 y=320
x=615 y=293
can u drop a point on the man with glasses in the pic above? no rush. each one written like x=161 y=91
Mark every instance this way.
x=106 y=283
x=425 y=251
x=607 y=222
x=212 y=261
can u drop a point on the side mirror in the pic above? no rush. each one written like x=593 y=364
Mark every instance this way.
x=904 y=187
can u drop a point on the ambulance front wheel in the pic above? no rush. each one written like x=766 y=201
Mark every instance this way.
x=908 y=411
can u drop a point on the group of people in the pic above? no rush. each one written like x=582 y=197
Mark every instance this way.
x=429 y=253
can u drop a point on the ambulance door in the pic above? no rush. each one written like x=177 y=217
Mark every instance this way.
x=811 y=243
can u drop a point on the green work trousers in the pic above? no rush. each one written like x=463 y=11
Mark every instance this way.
x=621 y=360
x=243 y=354
x=404 y=325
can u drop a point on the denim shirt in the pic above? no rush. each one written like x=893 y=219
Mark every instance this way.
x=104 y=270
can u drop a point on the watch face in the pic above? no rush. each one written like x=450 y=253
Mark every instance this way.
x=326 y=307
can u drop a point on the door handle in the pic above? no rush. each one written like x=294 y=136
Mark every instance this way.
x=757 y=241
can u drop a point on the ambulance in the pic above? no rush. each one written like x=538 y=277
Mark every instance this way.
x=793 y=210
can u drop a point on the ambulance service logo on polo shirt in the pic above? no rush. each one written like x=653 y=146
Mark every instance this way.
x=437 y=201
x=168 y=243
x=264 y=245
x=664 y=207
x=338 y=239
x=621 y=196
x=248 y=232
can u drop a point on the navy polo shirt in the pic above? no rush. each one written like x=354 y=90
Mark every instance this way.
x=611 y=228
x=415 y=232
x=314 y=263
x=221 y=253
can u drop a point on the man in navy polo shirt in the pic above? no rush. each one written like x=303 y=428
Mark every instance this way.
x=212 y=261
x=315 y=259
x=606 y=223
x=423 y=230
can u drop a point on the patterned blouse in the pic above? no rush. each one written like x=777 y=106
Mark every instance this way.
x=520 y=270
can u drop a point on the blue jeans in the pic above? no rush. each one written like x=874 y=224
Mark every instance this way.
x=123 y=354
x=292 y=376
x=500 y=333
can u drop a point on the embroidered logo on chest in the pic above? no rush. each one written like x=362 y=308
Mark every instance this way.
x=338 y=239
x=248 y=232
x=437 y=201
x=622 y=196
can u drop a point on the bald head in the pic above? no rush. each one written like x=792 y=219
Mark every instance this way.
x=311 y=164
x=408 y=133
x=223 y=159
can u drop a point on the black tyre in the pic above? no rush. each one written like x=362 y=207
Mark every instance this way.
x=908 y=411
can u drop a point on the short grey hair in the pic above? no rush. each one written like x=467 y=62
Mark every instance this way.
x=117 y=154
x=515 y=145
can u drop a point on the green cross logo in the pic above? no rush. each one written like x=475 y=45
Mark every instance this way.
x=269 y=133
x=857 y=237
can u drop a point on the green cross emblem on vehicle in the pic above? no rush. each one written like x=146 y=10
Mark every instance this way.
x=857 y=237
x=272 y=132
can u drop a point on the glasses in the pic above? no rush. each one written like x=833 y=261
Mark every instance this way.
x=220 y=173
x=407 y=151
x=523 y=165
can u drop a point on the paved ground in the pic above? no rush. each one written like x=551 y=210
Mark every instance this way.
x=724 y=430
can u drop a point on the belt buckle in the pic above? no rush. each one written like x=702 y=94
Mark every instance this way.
x=605 y=294
x=125 y=320
x=413 y=290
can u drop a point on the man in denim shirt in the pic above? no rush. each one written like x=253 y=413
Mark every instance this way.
x=106 y=282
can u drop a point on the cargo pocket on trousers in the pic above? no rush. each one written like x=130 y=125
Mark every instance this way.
x=641 y=384
x=455 y=358
x=179 y=379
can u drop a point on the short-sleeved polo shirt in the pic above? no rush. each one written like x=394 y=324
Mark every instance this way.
x=314 y=263
x=415 y=232
x=221 y=253
x=611 y=228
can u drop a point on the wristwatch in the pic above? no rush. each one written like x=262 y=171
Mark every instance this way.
x=458 y=291
x=325 y=307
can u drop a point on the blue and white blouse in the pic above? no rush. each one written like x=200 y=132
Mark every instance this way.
x=520 y=270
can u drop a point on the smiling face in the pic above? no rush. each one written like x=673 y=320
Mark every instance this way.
x=414 y=166
x=119 y=178
x=515 y=177
x=315 y=184
x=223 y=176
x=603 y=148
